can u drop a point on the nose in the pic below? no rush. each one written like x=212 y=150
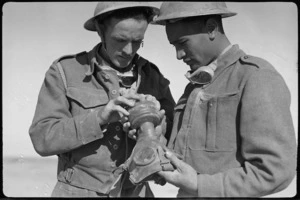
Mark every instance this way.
x=180 y=54
x=128 y=50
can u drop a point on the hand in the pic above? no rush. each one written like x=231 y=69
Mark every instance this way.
x=184 y=176
x=114 y=110
x=149 y=97
x=132 y=133
x=159 y=129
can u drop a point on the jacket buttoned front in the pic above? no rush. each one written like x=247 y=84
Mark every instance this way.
x=66 y=123
x=237 y=131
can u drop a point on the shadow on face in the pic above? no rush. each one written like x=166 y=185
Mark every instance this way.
x=123 y=38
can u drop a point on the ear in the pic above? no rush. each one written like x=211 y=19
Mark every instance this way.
x=211 y=27
x=99 y=28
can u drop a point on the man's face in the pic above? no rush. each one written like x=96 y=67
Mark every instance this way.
x=191 y=42
x=123 y=38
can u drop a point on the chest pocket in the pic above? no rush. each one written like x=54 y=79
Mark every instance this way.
x=220 y=130
x=85 y=99
x=177 y=123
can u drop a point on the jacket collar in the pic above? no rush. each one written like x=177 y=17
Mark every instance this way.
x=228 y=58
x=92 y=60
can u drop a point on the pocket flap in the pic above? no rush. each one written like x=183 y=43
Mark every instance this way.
x=88 y=97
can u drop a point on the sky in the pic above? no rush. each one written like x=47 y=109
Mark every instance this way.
x=34 y=34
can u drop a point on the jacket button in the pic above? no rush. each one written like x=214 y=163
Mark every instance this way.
x=210 y=104
x=114 y=91
x=117 y=128
x=115 y=147
x=107 y=76
x=246 y=57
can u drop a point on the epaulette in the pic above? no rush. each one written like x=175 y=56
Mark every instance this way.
x=254 y=61
x=57 y=62
x=70 y=56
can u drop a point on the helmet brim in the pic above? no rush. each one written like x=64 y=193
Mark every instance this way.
x=90 y=24
x=163 y=21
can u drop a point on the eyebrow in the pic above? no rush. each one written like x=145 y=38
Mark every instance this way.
x=179 y=40
x=174 y=42
x=125 y=38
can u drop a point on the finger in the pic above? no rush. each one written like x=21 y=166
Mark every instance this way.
x=132 y=134
x=149 y=97
x=122 y=100
x=167 y=175
x=162 y=113
x=121 y=111
x=132 y=95
x=142 y=97
x=126 y=126
x=124 y=119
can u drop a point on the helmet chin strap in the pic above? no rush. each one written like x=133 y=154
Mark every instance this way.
x=100 y=34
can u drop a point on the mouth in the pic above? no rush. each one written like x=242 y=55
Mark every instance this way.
x=125 y=57
x=188 y=62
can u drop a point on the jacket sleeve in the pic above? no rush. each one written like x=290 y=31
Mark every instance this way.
x=268 y=146
x=167 y=103
x=54 y=130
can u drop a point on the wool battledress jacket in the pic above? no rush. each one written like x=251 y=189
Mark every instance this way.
x=66 y=124
x=237 y=131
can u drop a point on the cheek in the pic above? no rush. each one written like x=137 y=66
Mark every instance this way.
x=195 y=52
x=112 y=49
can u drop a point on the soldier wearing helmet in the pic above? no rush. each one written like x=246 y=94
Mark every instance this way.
x=232 y=124
x=81 y=105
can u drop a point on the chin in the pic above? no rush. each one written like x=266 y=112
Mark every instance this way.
x=194 y=68
x=118 y=64
x=123 y=64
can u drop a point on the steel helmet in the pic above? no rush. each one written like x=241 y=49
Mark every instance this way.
x=179 y=10
x=105 y=7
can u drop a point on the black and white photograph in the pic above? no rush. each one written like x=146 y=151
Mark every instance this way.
x=128 y=99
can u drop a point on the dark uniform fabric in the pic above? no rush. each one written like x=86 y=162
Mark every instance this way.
x=66 y=124
x=237 y=132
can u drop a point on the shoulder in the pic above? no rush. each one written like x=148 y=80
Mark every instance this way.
x=260 y=72
x=71 y=58
x=256 y=62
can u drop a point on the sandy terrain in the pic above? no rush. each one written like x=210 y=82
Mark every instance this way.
x=36 y=177
x=32 y=177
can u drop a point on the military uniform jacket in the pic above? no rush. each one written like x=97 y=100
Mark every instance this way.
x=237 y=131
x=66 y=124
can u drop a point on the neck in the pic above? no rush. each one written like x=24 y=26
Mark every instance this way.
x=220 y=47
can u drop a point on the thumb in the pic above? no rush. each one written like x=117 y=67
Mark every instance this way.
x=173 y=158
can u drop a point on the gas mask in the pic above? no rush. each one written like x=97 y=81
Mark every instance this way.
x=148 y=155
x=202 y=75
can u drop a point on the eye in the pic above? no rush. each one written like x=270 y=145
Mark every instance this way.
x=138 y=43
x=182 y=43
x=119 y=40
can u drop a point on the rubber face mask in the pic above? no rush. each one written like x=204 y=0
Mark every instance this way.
x=148 y=155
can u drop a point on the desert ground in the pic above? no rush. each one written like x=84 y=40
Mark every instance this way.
x=36 y=177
